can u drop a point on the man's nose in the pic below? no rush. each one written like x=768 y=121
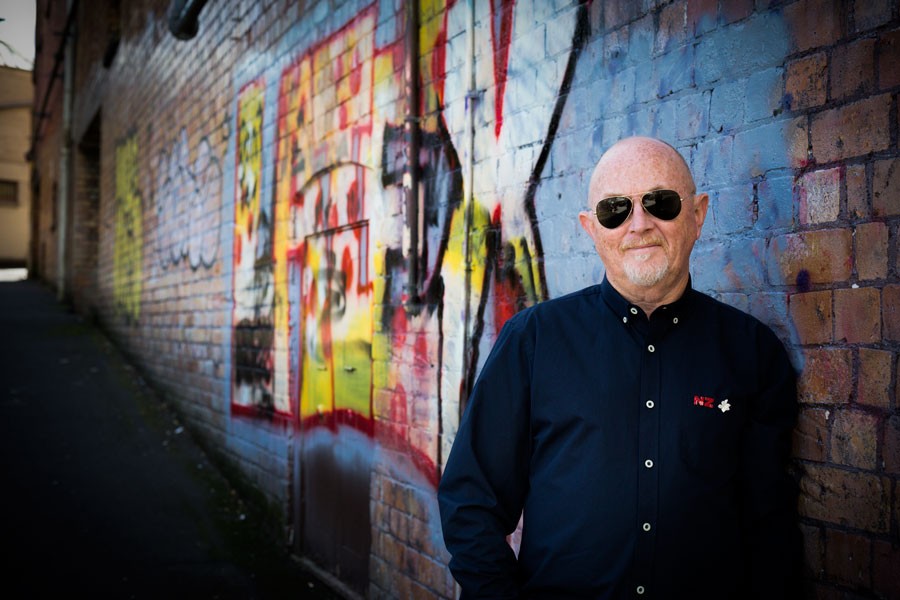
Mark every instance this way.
x=640 y=220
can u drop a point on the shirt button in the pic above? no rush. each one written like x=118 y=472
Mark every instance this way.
x=646 y=526
x=640 y=590
x=648 y=463
x=651 y=348
x=633 y=310
x=650 y=404
x=624 y=319
x=675 y=320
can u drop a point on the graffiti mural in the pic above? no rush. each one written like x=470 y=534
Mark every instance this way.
x=129 y=233
x=252 y=321
x=330 y=328
x=311 y=308
x=187 y=191
x=323 y=290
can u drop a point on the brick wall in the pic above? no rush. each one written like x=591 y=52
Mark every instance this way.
x=50 y=23
x=254 y=243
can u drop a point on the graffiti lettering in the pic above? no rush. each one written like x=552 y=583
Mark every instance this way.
x=187 y=197
x=253 y=285
x=129 y=236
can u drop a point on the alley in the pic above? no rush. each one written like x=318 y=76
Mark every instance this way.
x=105 y=492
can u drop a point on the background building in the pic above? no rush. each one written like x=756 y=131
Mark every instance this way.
x=307 y=222
x=16 y=98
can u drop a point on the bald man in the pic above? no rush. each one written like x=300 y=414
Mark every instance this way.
x=640 y=428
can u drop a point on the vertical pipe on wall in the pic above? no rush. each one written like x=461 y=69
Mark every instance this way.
x=411 y=177
x=64 y=187
x=468 y=196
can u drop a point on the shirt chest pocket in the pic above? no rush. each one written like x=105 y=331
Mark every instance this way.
x=709 y=435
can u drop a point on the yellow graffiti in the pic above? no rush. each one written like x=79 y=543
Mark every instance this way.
x=455 y=259
x=527 y=268
x=129 y=238
x=250 y=114
x=337 y=327
x=430 y=31
x=324 y=122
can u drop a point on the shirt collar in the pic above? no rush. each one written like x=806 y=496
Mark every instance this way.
x=625 y=310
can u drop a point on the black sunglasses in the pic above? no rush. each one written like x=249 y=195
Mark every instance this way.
x=662 y=204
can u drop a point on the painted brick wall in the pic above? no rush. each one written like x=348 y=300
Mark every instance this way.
x=255 y=243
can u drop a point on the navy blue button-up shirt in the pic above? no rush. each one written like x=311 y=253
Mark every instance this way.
x=648 y=455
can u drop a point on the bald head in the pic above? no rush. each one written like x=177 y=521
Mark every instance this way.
x=647 y=257
x=650 y=156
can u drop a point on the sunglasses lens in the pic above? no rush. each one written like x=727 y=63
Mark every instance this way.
x=662 y=204
x=612 y=212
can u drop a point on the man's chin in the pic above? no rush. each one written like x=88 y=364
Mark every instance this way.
x=646 y=275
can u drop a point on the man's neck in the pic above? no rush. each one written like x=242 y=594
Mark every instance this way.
x=649 y=298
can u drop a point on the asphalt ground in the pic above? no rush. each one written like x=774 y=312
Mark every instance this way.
x=104 y=492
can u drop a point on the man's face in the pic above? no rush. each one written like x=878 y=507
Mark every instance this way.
x=645 y=256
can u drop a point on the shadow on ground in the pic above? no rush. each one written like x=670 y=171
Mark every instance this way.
x=106 y=493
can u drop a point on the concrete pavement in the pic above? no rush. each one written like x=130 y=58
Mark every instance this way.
x=104 y=492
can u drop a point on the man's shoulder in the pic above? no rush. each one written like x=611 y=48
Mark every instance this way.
x=587 y=296
x=731 y=316
x=568 y=305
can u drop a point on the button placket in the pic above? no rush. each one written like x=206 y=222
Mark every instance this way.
x=648 y=451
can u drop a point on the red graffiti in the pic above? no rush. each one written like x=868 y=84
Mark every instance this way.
x=501 y=32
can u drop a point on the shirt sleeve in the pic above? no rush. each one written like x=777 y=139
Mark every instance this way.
x=483 y=487
x=771 y=531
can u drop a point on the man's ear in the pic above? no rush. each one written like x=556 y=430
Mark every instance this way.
x=587 y=221
x=701 y=205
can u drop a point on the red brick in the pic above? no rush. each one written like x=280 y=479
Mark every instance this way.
x=811 y=315
x=890 y=312
x=854 y=439
x=813 y=550
x=735 y=10
x=847 y=558
x=398 y=524
x=805 y=80
x=889 y=60
x=701 y=15
x=857 y=315
x=393 y=550
x=814 y=23
x=672 y=28
x=819 y=194
x=815 y=256
x=871 y=251
x=425 y=571
x=420 y=536
x=834 y=495
x=851 y=130
x=811 y=434
x=596 y=16
x=827 y=376
x=890 y=452
x=857 y=192
x=868 y=14
x=885 y=558
x=886 y=187
x=396 y=495
x=617 y=14
x=874 y=377
x=853 y=69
